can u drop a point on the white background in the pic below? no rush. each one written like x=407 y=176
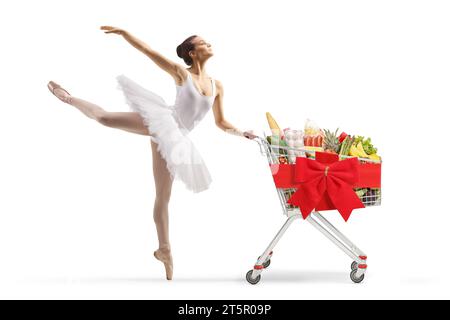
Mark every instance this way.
x=76 y=198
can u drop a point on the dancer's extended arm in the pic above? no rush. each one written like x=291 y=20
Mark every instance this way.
x=167 y=65
x=220 y=120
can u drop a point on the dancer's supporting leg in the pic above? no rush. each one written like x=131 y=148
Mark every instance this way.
x=163 y=186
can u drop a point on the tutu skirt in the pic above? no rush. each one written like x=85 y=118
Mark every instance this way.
x=183 y=160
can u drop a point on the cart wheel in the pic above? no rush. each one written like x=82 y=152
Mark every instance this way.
x=249 y=277
x=354 y=265
x=354 y=278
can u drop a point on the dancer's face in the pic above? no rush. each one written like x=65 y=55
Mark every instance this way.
x=203 y=49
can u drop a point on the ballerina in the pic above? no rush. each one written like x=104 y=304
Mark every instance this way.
x=174 y=154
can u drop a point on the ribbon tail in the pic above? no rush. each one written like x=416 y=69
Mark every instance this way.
x=343 y=197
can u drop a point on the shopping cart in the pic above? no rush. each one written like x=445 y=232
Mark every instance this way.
x=368 y=196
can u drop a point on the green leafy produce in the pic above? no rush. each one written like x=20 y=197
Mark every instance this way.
x=357 y=139
x=368 y=147
x=366 y=143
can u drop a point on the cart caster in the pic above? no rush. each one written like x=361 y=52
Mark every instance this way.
x=354 y=278
x=355 y=264
x=250 y=279
x=266 y=264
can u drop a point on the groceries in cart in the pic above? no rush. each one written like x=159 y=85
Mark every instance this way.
x=297 y=143
x=288 y=144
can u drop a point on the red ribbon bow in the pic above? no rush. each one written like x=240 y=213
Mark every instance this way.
x=317 y=180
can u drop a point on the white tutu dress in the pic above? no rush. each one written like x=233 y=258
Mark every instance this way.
x=169 y=127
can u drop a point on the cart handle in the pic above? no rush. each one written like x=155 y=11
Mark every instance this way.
x=263 y=144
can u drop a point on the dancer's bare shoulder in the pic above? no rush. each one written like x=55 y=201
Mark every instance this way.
x=219 y=86
x=180 y=75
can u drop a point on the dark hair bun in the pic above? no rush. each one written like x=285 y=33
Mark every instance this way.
x=179 y=51
x=184 y=48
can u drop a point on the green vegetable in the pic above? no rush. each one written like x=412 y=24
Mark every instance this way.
x=345 y=146
x=357 y=140
x=277 y=141
x=360 y=192
x=368 y=147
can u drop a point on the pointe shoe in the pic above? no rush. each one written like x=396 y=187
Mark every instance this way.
x=168 y=264
x=52 y=86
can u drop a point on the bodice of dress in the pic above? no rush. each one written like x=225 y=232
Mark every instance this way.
x=190 y=105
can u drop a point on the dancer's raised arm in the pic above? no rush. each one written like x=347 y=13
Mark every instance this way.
x=166 y=64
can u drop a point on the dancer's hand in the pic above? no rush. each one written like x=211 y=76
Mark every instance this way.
x=249 y=134
x=115 y=30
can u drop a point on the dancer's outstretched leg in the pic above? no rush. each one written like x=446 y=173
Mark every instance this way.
x=163 y=187
x=132 y=122
x=128 y=121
